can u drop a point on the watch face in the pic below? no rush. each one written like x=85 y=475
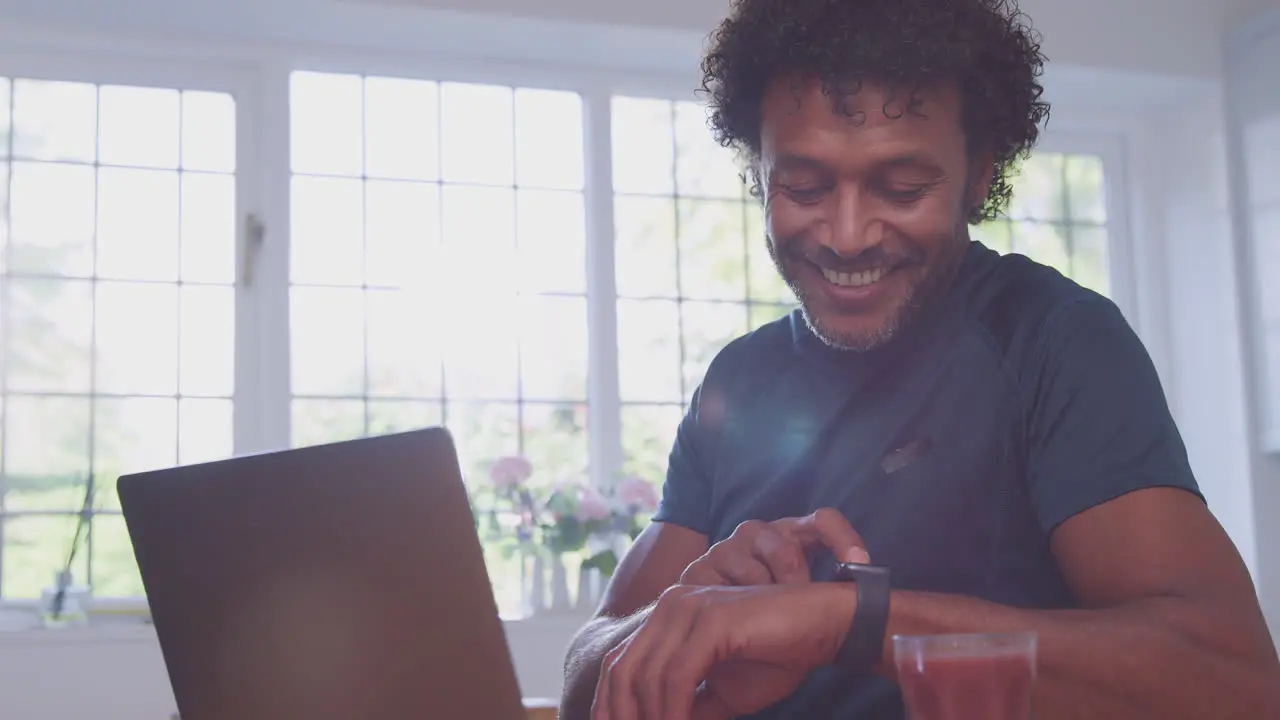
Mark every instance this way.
x=853 y=572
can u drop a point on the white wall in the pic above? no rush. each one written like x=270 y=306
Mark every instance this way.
x=1162 y=36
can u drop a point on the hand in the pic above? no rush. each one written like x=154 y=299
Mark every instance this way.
x=765 y=553
x=775 y=634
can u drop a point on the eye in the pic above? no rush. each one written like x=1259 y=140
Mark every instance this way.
x=805 y=195
x=905 y=195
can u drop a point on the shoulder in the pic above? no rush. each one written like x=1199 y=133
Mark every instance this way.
x=757 y=353
x=1025 y=311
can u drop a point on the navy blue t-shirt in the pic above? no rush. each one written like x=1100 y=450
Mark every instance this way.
x=1021 y=400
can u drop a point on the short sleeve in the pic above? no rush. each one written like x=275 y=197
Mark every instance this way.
x=686 y=492
x=1100 y=425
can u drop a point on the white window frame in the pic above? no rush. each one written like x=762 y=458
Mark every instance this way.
x=258 y=77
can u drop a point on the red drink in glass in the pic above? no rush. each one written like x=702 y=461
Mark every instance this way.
x=966 y=677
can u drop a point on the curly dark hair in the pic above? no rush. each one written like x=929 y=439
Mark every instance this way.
x=986 y=46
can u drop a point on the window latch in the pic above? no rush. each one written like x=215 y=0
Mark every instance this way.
x=254 y=235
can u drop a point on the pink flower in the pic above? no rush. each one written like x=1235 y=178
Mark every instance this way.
x=591 y=506
x=638 y=494
x=510 y=471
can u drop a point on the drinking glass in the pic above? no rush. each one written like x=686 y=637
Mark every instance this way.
x=966 y=677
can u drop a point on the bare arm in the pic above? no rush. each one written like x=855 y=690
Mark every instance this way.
x=654 y=563
x=1171 y=629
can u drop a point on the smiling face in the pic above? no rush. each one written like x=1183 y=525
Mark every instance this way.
x=866 y=202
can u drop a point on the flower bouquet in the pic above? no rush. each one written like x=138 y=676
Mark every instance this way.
x=551 y=522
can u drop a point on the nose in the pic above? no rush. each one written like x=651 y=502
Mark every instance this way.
x=851 y=233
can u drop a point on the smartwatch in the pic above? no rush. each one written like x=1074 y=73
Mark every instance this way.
x=863 y=647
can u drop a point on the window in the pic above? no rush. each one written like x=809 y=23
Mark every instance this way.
x=438 y=270
x=693 y=271
x=1058 y=217
x=117 y=306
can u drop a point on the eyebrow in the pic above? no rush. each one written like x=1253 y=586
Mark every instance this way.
x=793 y=161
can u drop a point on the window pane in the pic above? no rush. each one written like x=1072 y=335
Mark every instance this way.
x=649 y=351
x=707 y=327
x=645 y=256
x=35 y=551
x=482 y=432
x=479 y=239
x=327 y=231
x=136 y=338
x=317 y=422
x=46 y=452
x=643 y=146
x=703 y=167
x=208 y=132
x=327 y=340
x=549 y=140
x=477 y=134
x=551 y=235
x=760 y=315
x=208 y=229
x=481 y=344
x=405 y=338
x=1043 y=243
x=402 y=128
x=766 y=285
x=553 y=348
x=1089 y=262
x=1086 y=192
x=138 y=126
x=402 y=233
x=648 y=432
x=52 y=219
x=555 y=440
x=138 y=224
x=208 y=330
x=115 y=571
x=995 y=234
x=1039 y=191
x=205 y=430
x=713 y=250
x=55 y=120
x=391 y=416
x=327 y=126
x=131 y=435
x=50 y=334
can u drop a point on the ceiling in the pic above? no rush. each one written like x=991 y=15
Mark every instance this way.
x=1178 y=37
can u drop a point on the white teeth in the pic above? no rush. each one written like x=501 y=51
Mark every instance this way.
x=856 y=279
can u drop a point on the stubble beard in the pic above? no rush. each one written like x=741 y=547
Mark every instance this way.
x=919 y=296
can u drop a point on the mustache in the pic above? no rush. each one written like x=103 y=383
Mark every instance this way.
x=878 y=256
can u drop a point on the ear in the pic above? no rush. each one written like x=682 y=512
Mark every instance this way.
x=982 y=169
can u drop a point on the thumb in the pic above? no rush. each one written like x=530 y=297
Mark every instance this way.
x=829 y=528
x=855 y=555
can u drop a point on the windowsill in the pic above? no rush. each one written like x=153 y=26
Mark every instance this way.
x=129 y=622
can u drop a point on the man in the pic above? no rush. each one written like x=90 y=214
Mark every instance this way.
x=988 y=431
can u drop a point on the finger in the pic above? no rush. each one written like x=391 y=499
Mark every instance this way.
x=685 y=672
x=830 y=529
x=702 y=573
x=600 y=703
x=618 y=679
x=708 y=706
x=783 y=556
x=678 y=623
x=739 y=565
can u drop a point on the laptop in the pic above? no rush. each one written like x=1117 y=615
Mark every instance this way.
x=338 y=582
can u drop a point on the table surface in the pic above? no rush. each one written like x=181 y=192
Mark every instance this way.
x=541 y=708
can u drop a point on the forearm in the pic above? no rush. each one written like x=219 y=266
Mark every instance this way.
x=582 y=661
x=1162 y=657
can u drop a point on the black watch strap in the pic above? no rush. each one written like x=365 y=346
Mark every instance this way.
x=863 y=647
